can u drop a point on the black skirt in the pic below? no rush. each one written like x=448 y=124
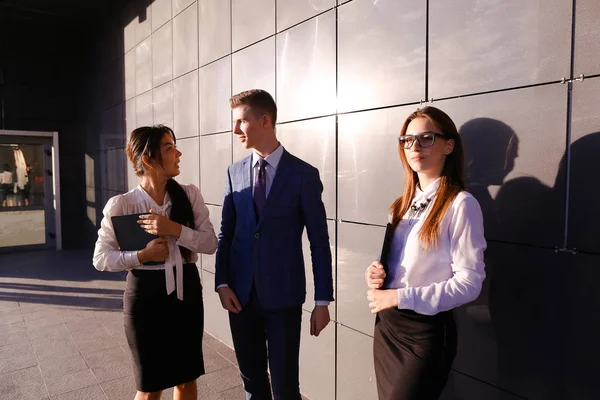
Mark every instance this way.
x=163 y=332
x=413 y=354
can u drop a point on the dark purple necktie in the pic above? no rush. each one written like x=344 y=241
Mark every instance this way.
x=260 y=188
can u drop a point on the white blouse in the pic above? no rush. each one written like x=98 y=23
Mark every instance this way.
x=439 y=279
x=202 y=239
x=6 y=177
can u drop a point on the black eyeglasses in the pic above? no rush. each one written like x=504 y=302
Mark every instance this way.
x=425 y=139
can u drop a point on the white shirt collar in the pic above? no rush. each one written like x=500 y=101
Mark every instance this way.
x=156 y=208
x=272 y=159
x=429 y=191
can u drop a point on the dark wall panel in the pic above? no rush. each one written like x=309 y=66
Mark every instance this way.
x=584 y=213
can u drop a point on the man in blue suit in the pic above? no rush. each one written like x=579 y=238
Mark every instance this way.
x=270 y=196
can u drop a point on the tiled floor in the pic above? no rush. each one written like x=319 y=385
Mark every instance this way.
x=61 y=334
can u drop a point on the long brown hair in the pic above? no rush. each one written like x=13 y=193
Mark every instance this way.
x=145 y=141
x=451 y=181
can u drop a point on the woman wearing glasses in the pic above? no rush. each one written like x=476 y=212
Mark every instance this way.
x=434 y=265
x=163 y=307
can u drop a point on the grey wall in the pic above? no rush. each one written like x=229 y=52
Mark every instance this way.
x=345 y=76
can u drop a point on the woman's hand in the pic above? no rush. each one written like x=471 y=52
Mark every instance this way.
x=382 y=299
x=159 y=225
x=155 y=250
x=375 y=275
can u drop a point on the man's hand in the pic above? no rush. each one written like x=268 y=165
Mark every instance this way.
x=382 y=299
x=229 y=300
x=319 y=319
x=375 y=275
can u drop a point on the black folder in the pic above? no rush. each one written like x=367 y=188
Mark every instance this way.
x=130 y=235
x=387 y=244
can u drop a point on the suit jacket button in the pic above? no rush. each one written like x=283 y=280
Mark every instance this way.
x=256 y=235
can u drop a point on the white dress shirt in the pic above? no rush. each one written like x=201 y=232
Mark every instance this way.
x=20 y=169
x=270 y=170
x=202 y=239
x=439 y=279
x=6 y=177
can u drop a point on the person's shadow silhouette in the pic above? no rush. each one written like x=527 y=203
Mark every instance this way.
x=503 y=335
x=544 y=304
x=579 y=274
x=584 y=211
x=532 y=330
x=523 y=304
x=491 y=148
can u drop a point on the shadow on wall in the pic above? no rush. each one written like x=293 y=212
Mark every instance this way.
x=491 y=148
x=584 y=211
x=525 y=333
x=525 y=312
x=575 y=284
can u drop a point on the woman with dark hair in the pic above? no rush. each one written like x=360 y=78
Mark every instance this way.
x=163 y=307
x=434 y=265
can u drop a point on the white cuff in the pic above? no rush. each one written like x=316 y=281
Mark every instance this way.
x=223 y=285
x=322 y=302
x=406 y=300
x=131 y=259
x=186 y=236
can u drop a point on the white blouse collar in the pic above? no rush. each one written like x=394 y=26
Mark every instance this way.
x=429 y=191
x=158 y=209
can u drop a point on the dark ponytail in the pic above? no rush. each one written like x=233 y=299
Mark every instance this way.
x=181 y=210
x=145 y=141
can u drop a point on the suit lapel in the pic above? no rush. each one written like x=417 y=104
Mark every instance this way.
x=281 y=175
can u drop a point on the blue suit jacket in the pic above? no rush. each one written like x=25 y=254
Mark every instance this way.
x=268 y=252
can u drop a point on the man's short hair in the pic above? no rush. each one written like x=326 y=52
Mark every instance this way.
x=259 y=101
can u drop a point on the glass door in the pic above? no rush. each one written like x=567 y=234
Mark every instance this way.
x=26 y=193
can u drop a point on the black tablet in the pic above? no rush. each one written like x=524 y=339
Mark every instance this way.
x=130 y=235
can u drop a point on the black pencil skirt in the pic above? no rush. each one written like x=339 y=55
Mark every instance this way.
x=163 y=332
x=413 y=354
